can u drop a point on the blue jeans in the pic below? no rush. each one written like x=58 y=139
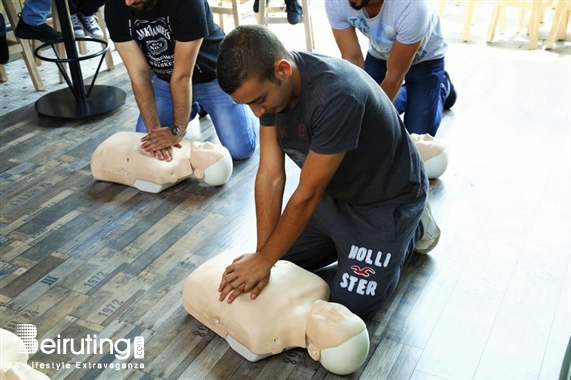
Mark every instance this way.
x=422 y=96
x=85 y=7
x=35 y=12
x=235 y=124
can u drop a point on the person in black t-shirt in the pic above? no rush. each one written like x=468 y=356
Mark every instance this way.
x=361 y=196
x=178 y=41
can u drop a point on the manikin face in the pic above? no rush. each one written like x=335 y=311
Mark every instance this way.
x=203 y=155
x=336 y=337
x=427 y=145
x=264 y=96
x=424 y=137
x=211 y=163
x=203 y=147
x=330 y=324
x=141 y=5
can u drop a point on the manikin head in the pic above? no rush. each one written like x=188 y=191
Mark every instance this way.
x=433 y=152
x=210 y=163
x=336 y=337
x=13 y=363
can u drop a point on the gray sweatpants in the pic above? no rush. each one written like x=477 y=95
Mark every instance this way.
x=371 y=245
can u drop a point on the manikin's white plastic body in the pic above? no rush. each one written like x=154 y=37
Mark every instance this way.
x=291 y=311
x=13 y=359
x=120 y=159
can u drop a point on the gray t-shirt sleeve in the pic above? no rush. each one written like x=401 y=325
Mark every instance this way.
x=336 y=14
x=411 y=21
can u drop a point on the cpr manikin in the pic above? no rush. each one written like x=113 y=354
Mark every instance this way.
x=433 y=152
x=120 y=159
x=13 y=359
x=292 y=311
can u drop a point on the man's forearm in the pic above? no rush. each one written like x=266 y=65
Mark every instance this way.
x=391 y=87
x=268 y=197
x=181 y=92
x=356 y=59
x=290 y=225
x=145 y=98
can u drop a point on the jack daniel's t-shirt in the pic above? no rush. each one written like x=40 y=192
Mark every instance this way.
x=157 y=31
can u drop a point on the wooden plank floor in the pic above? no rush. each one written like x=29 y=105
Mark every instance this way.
x=492 y=301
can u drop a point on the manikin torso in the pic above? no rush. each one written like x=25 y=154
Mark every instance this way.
x=273 y=332
x=120 y=159
x=13 y=363
x=291 y=311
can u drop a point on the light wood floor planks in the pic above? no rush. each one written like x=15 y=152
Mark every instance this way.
x=492 y=301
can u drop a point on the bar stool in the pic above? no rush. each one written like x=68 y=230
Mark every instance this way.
x=11 y=9
x=270 y=14
x=560 y=20
x=229 y=7
x=83 y=47
x=78 y=101
x=469 y=8
x=536 y=8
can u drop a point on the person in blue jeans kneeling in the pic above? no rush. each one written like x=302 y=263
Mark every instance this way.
x=405 y=56
x=178 y=41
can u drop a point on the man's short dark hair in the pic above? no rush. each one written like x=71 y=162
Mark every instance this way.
x=248 y=51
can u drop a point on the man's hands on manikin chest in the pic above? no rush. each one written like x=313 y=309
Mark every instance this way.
x=254 y=267
x=159 y=143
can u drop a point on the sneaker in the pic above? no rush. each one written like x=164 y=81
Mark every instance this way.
x=294 y=12
x=431 y=232
x=43 y=32
x=91 y=26
x=77 y=26
x=450 y=91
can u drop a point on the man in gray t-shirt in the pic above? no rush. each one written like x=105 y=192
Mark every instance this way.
x=362 y=187
x=406 y=45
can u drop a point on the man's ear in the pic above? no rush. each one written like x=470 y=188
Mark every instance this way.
x=283 y=69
